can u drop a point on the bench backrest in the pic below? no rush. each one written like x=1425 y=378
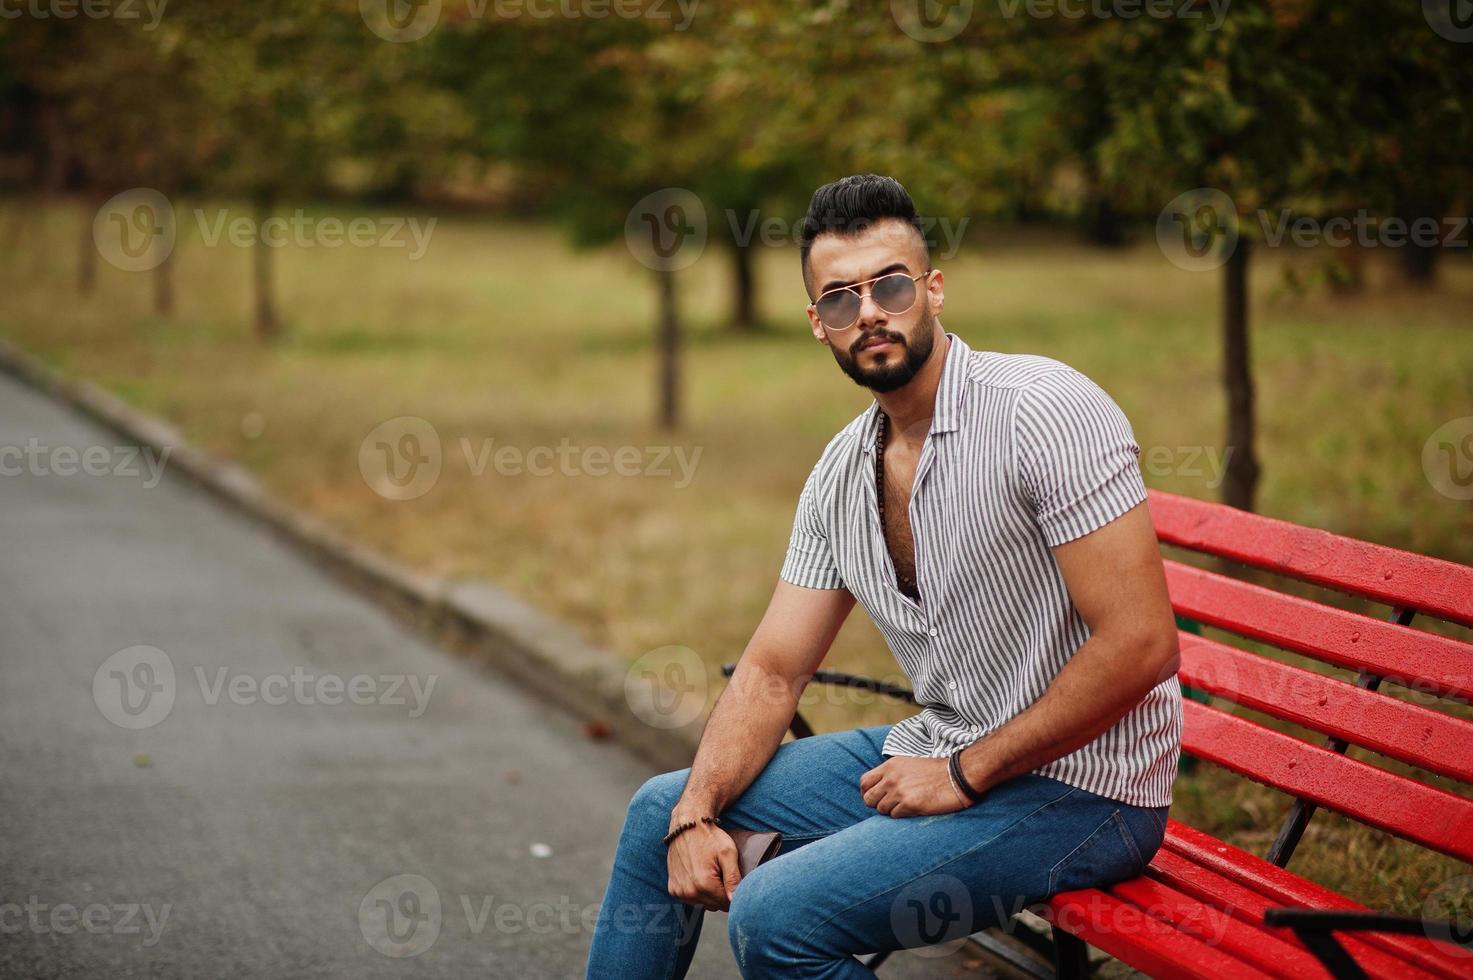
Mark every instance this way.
x=1390 y=651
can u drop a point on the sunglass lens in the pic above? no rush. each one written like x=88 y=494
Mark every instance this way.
x=895 y=293
x=838 y=309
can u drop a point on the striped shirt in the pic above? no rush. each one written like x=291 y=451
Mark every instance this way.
x=1024 y=454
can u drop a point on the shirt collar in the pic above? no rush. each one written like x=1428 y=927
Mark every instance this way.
x=949 y=393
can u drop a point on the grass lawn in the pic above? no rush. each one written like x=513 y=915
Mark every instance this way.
x=501 y=333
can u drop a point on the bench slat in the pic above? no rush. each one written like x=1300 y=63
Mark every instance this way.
x=1127 y=933
x=1283 y=887
x=1336 y=636
x=1253 y=944
x=1415 y=811
x=1398 y=578
x=1242 y=902
x=1409 y=732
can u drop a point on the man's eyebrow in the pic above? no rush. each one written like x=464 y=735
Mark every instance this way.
x=892 y=267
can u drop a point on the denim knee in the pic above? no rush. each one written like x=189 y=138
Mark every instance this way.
x=656 y=798
x=762 y=925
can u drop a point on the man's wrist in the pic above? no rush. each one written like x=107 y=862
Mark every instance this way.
x=974 y=765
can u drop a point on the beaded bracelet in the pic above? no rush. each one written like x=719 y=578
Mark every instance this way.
x=676 y=832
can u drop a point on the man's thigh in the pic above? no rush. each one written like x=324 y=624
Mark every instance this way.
x=890 y=883
x=810 y=787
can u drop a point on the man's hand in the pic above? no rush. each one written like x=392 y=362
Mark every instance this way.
x=909 y=787
x=703 y=867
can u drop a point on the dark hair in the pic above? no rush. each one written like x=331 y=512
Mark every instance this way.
x=851 y=204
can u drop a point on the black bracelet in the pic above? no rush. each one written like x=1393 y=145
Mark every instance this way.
x=954 y=765
x=677 y=831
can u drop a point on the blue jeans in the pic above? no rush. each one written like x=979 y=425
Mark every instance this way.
x=850 y=880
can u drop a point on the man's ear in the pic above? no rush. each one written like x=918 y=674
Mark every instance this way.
x=936 y=291
x=816 y=325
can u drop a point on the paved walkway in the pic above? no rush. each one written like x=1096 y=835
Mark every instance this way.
x=242 y=816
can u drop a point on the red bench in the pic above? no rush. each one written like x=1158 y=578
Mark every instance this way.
x=1207 y=909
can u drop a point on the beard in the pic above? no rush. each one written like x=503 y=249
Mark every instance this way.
x=890 y=375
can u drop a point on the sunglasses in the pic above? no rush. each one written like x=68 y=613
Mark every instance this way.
x=838 y=309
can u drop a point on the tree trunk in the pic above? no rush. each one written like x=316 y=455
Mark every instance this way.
x=669 y=351
x=743 y=307
x=1419 y=261
x=87 y=254
x=268 y=326
x=1241 y=478
x=1345 y=270
x=163 y=286
x=1104 y=226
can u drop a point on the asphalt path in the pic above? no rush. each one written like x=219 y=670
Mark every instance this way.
x=216 y=760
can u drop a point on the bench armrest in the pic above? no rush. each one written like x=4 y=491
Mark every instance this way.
x=1313 y=927
x=840 y=679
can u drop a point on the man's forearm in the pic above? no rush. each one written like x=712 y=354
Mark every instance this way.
x=745 y=729
x=1099 y=685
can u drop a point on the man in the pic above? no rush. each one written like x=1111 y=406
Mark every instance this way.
x=988 y=512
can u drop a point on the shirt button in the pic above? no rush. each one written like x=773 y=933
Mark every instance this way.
x=952 y=685
x=934 y=631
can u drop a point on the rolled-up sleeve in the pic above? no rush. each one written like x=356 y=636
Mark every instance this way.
x=1077 y=458
x=810 y=559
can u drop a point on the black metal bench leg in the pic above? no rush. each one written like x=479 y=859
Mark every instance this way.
x=1071 y=956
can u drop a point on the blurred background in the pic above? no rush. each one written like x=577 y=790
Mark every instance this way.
x=549 y=248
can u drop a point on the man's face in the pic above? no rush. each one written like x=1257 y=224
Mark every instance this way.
x=881 y=351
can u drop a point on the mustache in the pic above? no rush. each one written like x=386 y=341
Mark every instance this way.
x=894 y=338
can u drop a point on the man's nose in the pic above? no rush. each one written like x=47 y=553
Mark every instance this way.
x=869 y=311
